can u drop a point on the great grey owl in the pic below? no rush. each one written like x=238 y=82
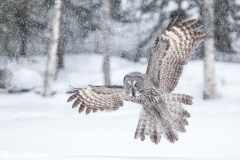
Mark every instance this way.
x=162 y=113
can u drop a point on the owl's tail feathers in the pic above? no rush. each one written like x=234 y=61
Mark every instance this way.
x=166 y=125
x=150 y=128
x=183 y=98
x=141 y=130
x=147 y=125
x=169 y=133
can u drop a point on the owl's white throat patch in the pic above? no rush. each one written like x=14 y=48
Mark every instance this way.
x=137 y=94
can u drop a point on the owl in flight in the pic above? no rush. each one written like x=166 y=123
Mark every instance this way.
x=162 y=113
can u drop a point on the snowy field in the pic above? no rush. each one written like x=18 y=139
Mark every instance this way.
x=33 y=127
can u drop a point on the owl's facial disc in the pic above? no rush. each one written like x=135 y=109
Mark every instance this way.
x=133 y=85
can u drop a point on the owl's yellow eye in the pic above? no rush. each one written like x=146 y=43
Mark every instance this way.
x=136 y=84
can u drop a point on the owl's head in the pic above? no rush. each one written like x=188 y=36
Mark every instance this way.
x=134 y=84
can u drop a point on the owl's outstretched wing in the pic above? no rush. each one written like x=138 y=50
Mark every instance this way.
x=94 y=98
x=165 y=120
x=172 y=51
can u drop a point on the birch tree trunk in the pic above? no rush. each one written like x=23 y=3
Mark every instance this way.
x=61 y=41
x=209 y=76
x=62 y=38
x=22 y=23
x=51 y=63
x=106 y=40
x=23 y=48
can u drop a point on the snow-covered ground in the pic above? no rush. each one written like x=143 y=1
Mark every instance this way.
x=33 y=127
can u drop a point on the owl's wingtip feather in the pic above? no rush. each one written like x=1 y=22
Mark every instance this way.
x=71 y=92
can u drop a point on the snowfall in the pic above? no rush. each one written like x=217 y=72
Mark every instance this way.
x=34 y=127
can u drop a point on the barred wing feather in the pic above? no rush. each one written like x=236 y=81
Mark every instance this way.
x=97 y=98
x=172 y=51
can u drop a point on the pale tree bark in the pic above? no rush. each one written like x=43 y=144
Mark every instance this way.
x=61 y=41
x=209 y=74
x=51 y=63
x=106 y=41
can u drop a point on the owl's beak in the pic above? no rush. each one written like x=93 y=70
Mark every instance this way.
x=133 y=93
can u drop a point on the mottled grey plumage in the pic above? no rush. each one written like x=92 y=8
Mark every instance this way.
x=162 y=113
